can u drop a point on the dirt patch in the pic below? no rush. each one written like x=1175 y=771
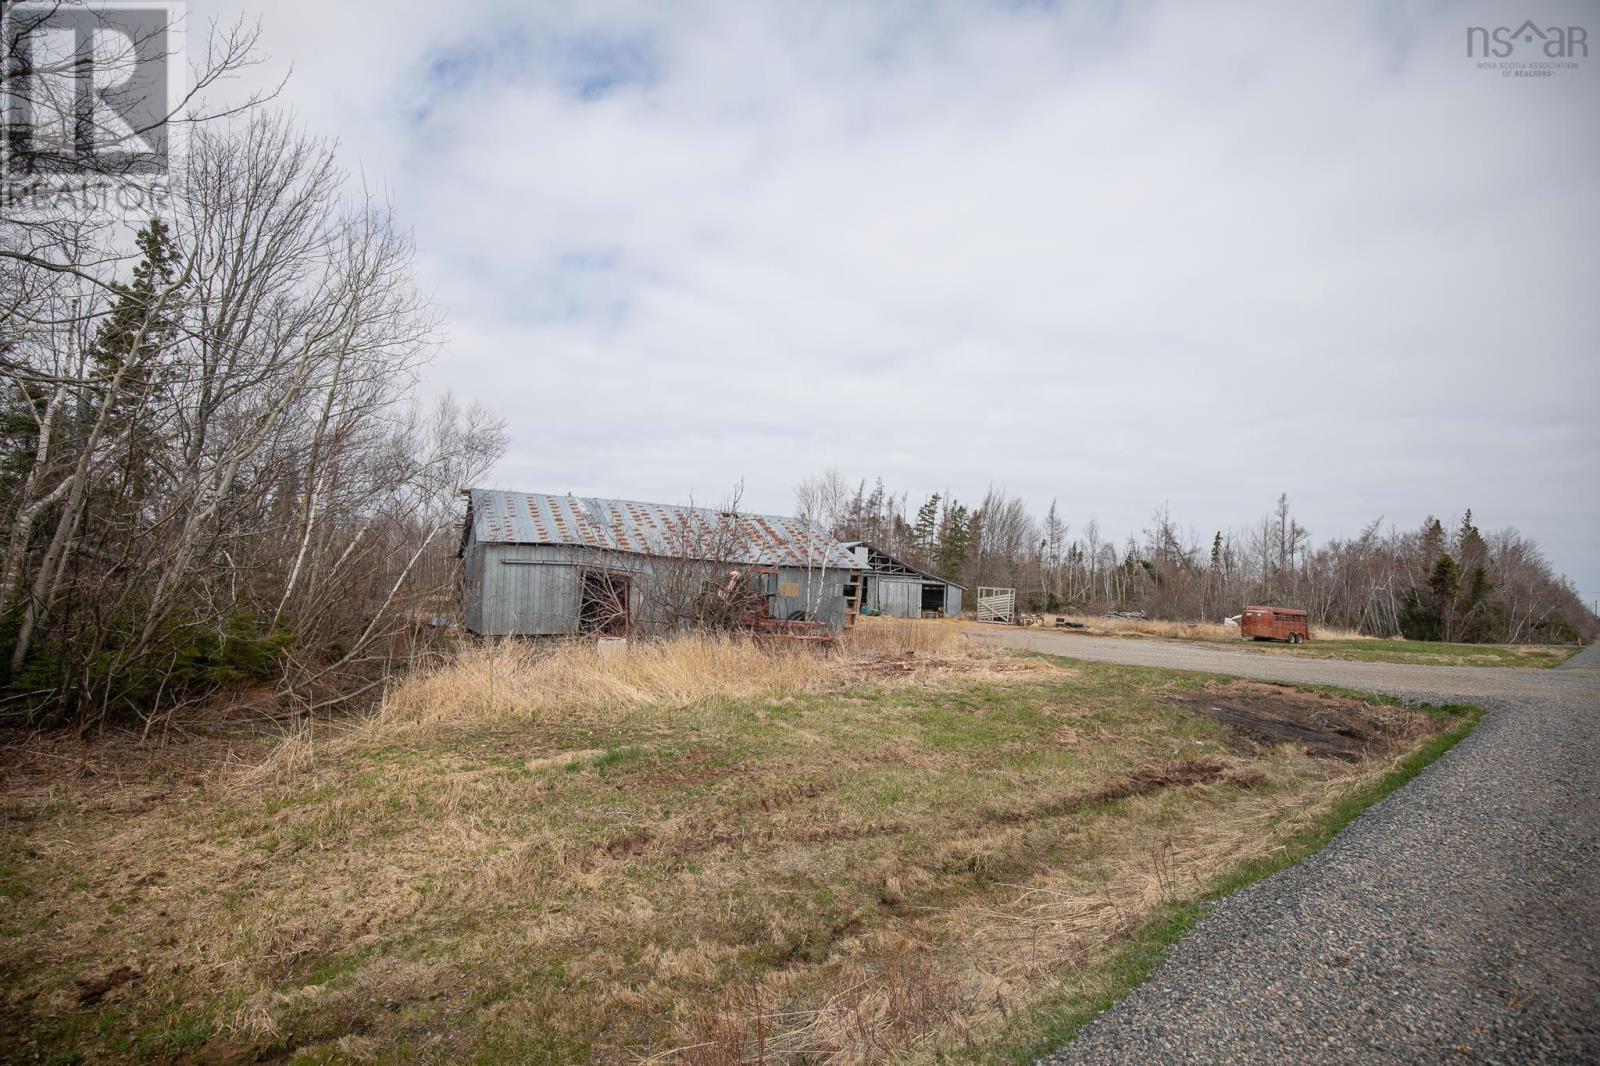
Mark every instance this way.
x=911 y=665
x=93 y=990
x=1145 y=782
x=1324 y=726
x=1173 y=775
x=898 y=667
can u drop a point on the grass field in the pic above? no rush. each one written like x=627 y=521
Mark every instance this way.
x=1329 y=643
x=1428 y=653
x=705 y=852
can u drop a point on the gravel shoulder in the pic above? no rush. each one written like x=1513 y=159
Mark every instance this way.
x=1458 y=919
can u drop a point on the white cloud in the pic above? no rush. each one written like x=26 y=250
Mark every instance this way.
x=1118 y=254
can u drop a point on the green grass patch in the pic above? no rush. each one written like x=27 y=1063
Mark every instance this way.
x=608 y=882
x=615 y=759
x=1428 y=653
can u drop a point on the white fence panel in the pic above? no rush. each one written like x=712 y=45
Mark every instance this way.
x=997 y=605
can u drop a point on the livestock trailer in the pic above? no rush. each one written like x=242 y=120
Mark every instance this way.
x=1274 y=623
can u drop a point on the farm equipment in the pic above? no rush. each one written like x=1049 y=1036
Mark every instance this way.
x=804 y=630
x=747 y=594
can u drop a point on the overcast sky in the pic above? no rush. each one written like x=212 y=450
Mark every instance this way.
x=1116 y=254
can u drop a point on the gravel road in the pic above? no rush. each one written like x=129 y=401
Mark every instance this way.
x=1457 y=920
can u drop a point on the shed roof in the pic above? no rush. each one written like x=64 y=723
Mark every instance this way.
x=497 y=516
x=881 y=562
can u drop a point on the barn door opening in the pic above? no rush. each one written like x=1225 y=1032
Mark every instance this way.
x=932 y=600
x=603 y=604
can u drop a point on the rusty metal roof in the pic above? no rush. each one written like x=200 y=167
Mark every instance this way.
x=501 y=517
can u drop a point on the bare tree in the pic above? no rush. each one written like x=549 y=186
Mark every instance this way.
x=820 y=505
x=223 y=476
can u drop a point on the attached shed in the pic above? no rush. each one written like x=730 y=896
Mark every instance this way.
x=542 y=565
x=898 y=589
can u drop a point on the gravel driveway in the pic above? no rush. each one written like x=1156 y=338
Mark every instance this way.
x=1457 y=920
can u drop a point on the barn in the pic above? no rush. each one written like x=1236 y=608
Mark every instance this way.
x=898 y=589
x=536 y=564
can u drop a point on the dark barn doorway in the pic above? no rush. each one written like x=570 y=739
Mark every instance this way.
x=603 y=604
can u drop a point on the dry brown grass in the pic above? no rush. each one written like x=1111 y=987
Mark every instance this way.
x=502 y=683
x=511 y=680
x=557 y=855
x=898 y=637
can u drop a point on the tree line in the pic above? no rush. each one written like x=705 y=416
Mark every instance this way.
x=1429 y=582
x=213 y=469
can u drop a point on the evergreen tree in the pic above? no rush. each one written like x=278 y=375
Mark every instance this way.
x=925 y=534
x=1470 y=547
x=955 y=541
x=1444 y=581
x=131 y=339
x=875 y=511
x=975 y=547
x=1432 y=539
x=140 y=325
x=1478 y=615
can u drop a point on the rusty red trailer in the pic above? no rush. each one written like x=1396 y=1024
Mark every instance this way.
x=1274 y=623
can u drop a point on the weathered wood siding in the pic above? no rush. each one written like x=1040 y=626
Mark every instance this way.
x=898 y=597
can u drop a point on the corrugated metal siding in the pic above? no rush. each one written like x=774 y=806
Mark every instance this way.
x=952 y=601
x=822 y=590
x=528 y=590
x=533 y=589
x=899 y=597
